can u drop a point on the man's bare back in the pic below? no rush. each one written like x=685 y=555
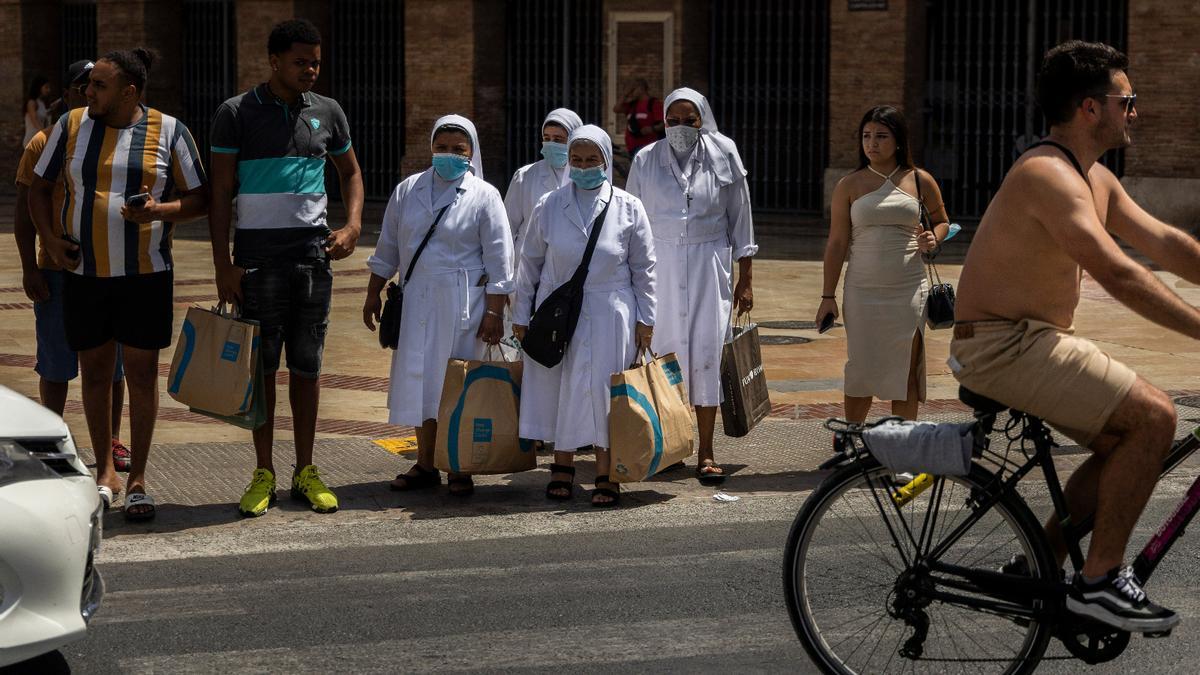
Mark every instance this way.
x=1015 y=269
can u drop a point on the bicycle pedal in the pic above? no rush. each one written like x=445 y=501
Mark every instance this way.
x=1157 y=634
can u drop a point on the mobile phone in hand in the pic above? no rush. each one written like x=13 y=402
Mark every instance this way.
x=138 y=201
x=826 y=322
x=73 y=255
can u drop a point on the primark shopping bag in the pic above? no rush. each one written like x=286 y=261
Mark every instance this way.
x=215 y=360
x=477 y=430
x=256 y=415
x=649 y=420
x=744 y=397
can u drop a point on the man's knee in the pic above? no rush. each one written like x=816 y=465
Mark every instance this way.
x=1148 y=415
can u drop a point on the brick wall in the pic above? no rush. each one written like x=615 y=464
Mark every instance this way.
x=124 y=24
x=491 y=88
x=639 y=52
x=1165 y=71
x=13 y=83
x=435 y=85
x=254 y=20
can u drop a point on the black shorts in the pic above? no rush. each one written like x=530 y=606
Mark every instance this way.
x=134 y=310
x=290 y=300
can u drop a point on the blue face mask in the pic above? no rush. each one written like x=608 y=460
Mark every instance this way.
x=555 y=153
x=588 y=179
x=450 y=166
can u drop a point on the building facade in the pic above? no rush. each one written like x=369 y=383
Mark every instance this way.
x=788 y=80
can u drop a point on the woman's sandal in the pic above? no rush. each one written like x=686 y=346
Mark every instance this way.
x=461 y=480
x=423 y=478
x=710 y=477
x=614 y=495
x=553 y=485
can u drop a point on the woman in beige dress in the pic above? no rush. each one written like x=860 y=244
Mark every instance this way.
x=876 y=226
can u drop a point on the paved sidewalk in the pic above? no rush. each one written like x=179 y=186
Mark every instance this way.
x=204 y=465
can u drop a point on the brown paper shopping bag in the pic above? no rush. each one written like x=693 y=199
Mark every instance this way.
x=477 y=419
x=649 y=421
x=214 y=364
x=745 y=399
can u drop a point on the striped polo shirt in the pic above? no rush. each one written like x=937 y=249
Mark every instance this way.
x=281 y=153
x=100 y=166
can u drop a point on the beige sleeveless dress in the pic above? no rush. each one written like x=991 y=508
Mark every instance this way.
x=883 y=301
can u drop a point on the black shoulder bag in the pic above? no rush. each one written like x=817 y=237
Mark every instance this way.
x=389 y=320
x=553 y=322
x=939 y=304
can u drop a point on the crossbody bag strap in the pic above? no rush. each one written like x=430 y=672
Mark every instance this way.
x=598 y=224
x=923 y=218
x=417 y=254
x=1066 y=151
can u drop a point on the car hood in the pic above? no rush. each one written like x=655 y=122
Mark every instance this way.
x=22 y=418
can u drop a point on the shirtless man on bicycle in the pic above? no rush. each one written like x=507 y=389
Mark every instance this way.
x=1053 y=218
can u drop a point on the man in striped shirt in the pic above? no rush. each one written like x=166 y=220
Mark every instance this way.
x=130 y=172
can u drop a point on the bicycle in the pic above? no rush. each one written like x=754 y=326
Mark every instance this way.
x=948 y=573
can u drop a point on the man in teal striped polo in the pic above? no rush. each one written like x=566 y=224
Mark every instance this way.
x=269 y=148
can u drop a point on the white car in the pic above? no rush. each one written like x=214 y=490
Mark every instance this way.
x=50 y=530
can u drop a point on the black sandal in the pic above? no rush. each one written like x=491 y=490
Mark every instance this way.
x=461 y=480
x=422 y=479
x=710 y=477
x=553 y=485
x=615 y=495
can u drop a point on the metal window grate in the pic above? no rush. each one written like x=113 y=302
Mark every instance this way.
x=555 y=59
x=78 y=31
x=209 y=66
x=770 y=91
x=983 y=58
x=368 y=82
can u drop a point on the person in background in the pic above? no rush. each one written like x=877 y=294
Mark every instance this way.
x=693 y=185
x=57 y=364
x=568 y=404
x=453 y=302
x=643 y=117
x=37 y=116
x=533 y=181
x=876 y=225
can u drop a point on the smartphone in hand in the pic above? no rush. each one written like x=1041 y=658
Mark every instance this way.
x=826 y=323
x=138 y=201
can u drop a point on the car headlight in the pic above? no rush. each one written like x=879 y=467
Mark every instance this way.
x=18 y=465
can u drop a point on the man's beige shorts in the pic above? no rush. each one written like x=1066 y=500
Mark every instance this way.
x=1043 y=370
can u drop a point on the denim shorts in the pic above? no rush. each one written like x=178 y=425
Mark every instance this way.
x=56 y=361
x=290 y=301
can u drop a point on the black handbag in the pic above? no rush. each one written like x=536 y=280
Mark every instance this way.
x=553 y=322
x=939 y=304
x=389 y=319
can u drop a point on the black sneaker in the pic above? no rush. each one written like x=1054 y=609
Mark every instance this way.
x=1120 y=602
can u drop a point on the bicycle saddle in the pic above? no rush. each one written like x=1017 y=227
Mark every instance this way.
x=980 y=402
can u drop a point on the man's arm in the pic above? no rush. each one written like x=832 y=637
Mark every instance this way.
x=1068 y=213
x=41 y=210
x=26 y=234
x=1171 y=248
x=222 y=177
x=342 y=242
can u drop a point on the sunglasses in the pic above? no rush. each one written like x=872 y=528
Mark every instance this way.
x=1129 y=99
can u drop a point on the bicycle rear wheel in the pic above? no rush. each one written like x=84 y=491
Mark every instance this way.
x=844 y=573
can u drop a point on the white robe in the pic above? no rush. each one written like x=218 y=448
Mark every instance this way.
x=529 y=184
x=568 y=404
x=695 y=245
x=443 y=301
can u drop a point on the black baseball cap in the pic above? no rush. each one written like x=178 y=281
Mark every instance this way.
x=78 y=72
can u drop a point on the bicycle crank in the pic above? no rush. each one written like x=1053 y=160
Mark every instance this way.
x=1092 y=642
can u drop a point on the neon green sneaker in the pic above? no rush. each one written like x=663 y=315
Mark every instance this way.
x=259 y=495
x=308 y=485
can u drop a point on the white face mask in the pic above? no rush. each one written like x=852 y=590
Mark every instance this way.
x=682 y=138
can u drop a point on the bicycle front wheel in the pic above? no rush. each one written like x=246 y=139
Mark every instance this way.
x=858 y=606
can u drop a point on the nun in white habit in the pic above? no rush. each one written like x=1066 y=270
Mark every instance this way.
x=532 y=181
x=454 y=299
x=568 y=404
x=693 y=185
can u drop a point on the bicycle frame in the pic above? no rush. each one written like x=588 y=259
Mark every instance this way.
x=1017 y=595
